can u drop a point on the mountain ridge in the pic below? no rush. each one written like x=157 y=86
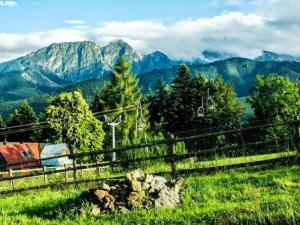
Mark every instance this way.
x=62 y=64
x=52 y=68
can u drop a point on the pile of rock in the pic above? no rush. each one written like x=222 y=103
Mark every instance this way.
x=138 y=190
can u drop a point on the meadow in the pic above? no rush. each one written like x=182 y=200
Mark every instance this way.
x=239 y=196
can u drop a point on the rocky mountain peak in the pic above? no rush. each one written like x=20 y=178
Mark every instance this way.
x=272 y=56
x=212 y=56
x=116 y=49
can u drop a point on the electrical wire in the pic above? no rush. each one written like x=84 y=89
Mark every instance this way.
x=44 y=125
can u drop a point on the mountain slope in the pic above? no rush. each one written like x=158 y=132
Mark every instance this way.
x=271 y=56
x=212 y=56
x=53 y=68
x=241 y=72
x=58 y=65
x=154 y=61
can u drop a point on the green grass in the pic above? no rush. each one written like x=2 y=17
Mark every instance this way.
x=237 y=196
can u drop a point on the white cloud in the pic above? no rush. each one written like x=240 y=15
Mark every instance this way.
x=75 y=22
x=15 y=45
x=270 y=27
x=233 y=2
x=8 y=3
x=218 y=3
x=280 y=12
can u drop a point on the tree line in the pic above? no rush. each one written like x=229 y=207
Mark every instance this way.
x=186 y=104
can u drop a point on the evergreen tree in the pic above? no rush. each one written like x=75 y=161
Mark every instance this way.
x=71 y=121
x=158 y=104
x=226 y=110
x=122 y=94
x=181 y=110
x=23 y=115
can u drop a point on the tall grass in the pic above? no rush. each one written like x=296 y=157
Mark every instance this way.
x=235 y=197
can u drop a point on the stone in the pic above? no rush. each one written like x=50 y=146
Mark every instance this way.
x=101 y=194
x=157 y=204
x=145 y=186
x=157 y=184
x=137 y=175
x=163 y=201
x=165 y=191
x=141 y=195
x=106 y=187
x=179 y=184
x=123 y=210
x=136 y=186
x=111 y=206
x=95 y=210
x=138 y=191
x=149 y=202
x=148 y=178
x=133 y=199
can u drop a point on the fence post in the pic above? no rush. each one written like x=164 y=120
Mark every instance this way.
x=74 y=173
x=44 y=173
x=172 y=153
x=12 y=182
x=298 y=134
x=66 y=172
x=81 y=165
x=98 y=168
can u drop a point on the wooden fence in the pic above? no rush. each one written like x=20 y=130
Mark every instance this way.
x=171 y=157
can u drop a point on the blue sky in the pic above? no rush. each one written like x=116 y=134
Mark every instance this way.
x=37 y=15
x=180 y=28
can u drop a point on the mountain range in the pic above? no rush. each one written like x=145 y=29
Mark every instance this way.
x=63 y=66
x=59 y=65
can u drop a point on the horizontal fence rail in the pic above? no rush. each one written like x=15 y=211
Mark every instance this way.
x=151 y=144
x=230 y=150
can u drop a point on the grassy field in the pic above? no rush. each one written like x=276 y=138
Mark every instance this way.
x=245 y=196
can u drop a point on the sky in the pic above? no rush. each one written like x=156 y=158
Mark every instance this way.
x=180 y=28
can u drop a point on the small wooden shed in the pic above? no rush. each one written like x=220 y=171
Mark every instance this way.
x=50 y=150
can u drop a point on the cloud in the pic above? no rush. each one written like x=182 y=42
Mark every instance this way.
x=281 y=13
x=15 y=45
x=8 y=4
x=219 y=3
x=271 y=26
x=233 y=2
x=75 y=22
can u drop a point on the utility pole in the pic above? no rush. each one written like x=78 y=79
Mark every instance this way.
x=113 y=125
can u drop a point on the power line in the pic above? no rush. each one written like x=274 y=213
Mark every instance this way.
x=23 y=125
x=40 y=125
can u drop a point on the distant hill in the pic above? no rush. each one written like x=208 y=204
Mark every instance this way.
x=240 y=71
x=88 y=89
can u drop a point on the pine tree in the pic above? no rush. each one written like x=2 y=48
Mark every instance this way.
x=158 y=104
x=122 y=94
x=181 y=110
x=23 y=115
x=71 y=121
x=226 y=110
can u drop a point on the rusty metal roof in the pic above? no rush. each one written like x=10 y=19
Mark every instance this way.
x=13 y=154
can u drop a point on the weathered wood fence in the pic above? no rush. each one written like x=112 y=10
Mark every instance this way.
x=171 y=157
